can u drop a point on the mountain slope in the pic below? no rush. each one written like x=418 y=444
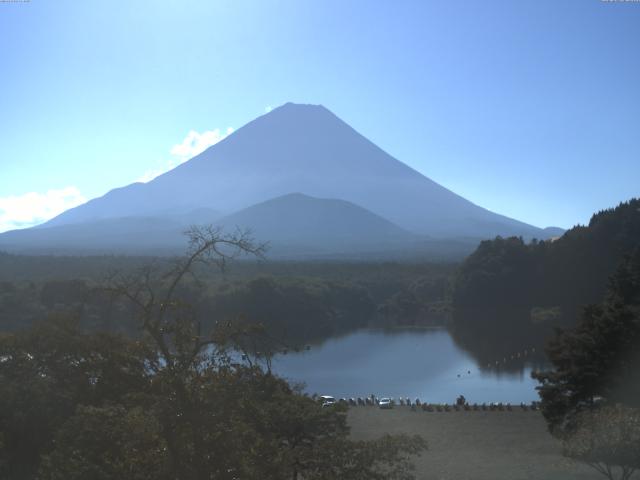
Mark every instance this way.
x=294 y=226
x=302 y=148
x=137 y=235
x=130 y=234
x=294 y=223
x=317 y=225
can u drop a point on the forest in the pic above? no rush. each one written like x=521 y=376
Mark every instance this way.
x=297 y=302
x=171 y=401
x=510 y=294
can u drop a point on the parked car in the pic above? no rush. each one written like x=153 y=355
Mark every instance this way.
x=385 y=403
x=327 y=400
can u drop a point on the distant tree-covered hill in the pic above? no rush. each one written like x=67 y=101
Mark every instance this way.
x=509 y=293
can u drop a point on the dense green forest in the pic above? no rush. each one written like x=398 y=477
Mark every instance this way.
x=297 y=302
x=599 y=357
x=171 y=402
x=591 y=397
x=509 y=295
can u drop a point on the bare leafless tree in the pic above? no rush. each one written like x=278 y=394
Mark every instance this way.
x=170 y=323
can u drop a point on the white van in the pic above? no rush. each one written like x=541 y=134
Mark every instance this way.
x=327 y=400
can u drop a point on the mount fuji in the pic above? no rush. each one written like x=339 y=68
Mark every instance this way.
x=348 y=193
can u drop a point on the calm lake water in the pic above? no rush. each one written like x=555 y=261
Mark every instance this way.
x=423 y=363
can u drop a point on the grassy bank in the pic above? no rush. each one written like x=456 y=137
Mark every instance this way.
x=472 y=445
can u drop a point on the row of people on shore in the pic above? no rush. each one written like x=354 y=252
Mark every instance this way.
x=461 y=403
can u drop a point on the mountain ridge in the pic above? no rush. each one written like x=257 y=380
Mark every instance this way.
x=296 y=218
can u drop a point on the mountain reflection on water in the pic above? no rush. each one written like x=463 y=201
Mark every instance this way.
x=422 y=363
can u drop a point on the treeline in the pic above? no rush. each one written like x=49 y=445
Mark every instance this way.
x=296 y=302
x=509 y=294
x=173 y=403
x=591 y=396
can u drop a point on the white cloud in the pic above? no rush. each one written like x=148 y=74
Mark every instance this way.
x=193 y=144
x=29 y=209
x=268 y=108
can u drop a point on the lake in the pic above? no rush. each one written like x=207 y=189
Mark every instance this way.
x=423 y=363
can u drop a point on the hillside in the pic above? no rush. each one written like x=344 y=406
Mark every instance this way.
x=510 y=289
x=294 y=226
x=319 y=225
x=130 y=235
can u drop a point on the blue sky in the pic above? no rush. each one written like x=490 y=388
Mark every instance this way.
x=528 y=108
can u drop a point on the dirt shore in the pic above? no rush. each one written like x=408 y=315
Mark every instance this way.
x=469 y=445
